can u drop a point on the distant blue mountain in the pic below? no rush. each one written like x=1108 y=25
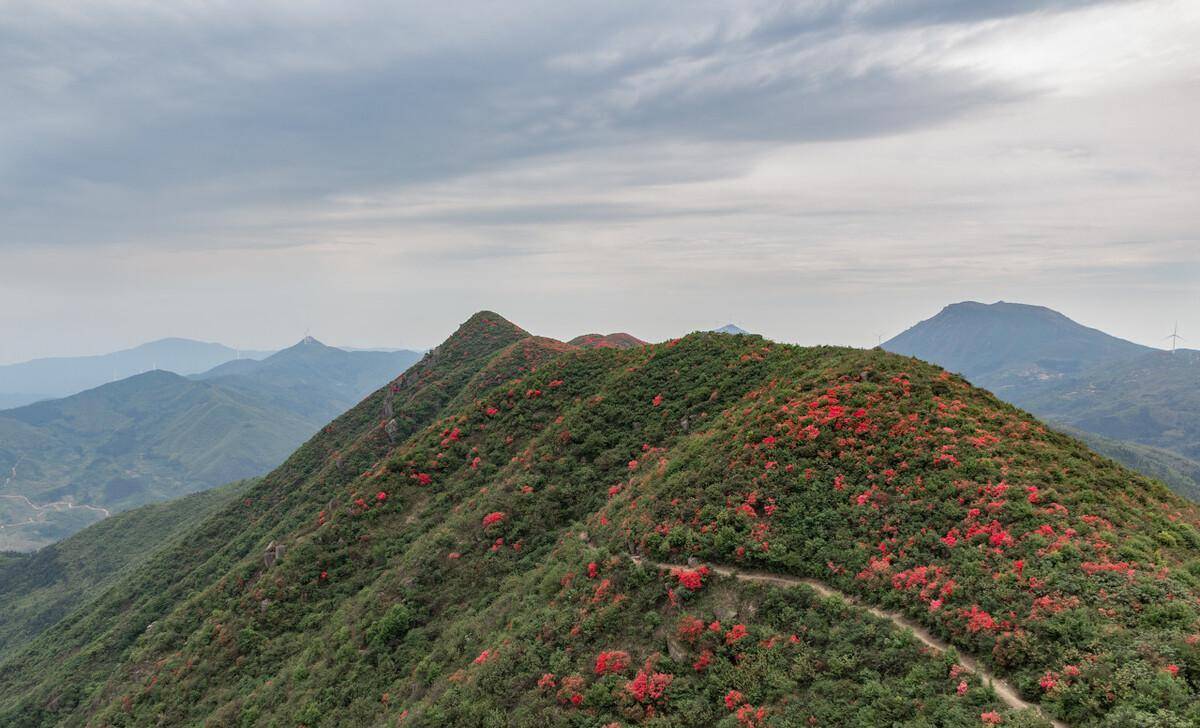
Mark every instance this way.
x=54 y=377
x=730 y=329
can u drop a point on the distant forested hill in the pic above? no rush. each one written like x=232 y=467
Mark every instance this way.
x=155 y=436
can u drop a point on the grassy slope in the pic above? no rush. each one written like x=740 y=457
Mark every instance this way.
x=855 y=467
x=37 y=590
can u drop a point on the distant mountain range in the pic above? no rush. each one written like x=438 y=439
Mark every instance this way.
x=50 y=378
x=1142 y=403
x=67 y=462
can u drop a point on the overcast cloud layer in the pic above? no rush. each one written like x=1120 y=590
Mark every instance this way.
x=820 y=172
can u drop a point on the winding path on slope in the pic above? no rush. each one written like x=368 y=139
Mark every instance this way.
x=40 y=511
x=1003 y=689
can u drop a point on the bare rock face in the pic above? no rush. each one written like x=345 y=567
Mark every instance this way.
x=392 y=429
x=388 y=412
x=676 y=650
x=273 y=554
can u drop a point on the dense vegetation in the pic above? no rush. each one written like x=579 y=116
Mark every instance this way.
x=157 y=435
x=457 y=551
x=38 y=589
x=1142 y=404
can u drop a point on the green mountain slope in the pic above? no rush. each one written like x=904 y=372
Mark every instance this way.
x=156 y=436
x=39 y=589
x=464 y=556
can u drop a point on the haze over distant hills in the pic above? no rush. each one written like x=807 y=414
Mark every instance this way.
x=49 y=378
x=1140 y=401
x=158 y=435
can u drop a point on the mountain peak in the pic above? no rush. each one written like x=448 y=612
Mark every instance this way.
x=616 y=340
x=730 y=329
x=484 y=331
x=1000 y=345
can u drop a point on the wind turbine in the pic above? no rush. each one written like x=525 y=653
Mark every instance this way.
x=1175 y=337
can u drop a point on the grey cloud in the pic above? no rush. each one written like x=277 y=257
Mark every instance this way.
x=133 y=124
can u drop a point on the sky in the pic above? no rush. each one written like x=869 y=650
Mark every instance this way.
x=375 y=172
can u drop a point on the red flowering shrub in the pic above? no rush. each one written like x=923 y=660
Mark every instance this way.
x=736 y=633
x=690 y=629
x=493 y=518
x=611 y=663
x=649 y=686
x=691 y=579
x=750 y=717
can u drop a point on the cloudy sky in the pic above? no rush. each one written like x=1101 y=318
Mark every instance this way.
x=817 y=171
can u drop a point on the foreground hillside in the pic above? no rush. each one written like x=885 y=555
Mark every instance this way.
x=477 y=545
x=69 y=462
